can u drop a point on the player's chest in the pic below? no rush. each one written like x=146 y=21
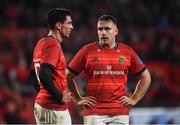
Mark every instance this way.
x=61 y=64
x=108 y=60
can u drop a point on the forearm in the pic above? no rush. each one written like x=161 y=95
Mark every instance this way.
x=140 y=91
x=73 y=88
x=46 y=80
x=72 y=85
x=142 y=87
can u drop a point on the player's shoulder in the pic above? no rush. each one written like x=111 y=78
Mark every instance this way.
x=48 y=41
x=90 y=46
x=123 y=46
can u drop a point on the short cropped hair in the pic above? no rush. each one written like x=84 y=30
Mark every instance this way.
x=57 y=15
x=108 y=18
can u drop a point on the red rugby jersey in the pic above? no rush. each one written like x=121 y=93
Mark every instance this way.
x=48 y=50
x=106 y=71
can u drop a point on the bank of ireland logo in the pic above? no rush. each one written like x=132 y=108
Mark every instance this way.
x=109 y=67
x=122 y=59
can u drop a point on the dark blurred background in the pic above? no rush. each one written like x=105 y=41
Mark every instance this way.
x=150 y=27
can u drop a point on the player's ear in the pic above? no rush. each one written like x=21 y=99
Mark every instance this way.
x=116 y=31
x=58 y=25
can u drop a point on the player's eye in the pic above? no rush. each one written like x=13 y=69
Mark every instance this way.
x=107 y=28
x=100 y=29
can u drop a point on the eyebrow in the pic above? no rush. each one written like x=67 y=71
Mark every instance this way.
x=104 y=28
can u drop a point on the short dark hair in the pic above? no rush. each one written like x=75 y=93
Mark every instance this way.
x=57 y=15
x=106 y=17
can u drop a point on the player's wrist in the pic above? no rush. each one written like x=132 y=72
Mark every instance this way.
x=134 y=100
x=75 y=99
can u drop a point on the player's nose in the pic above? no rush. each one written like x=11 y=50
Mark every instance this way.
x=72 y=27
x=103 y=32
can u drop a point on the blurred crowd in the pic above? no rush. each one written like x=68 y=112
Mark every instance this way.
x=151 y=28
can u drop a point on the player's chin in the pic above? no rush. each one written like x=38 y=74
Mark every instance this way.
x=67 y=35
x=104 y=44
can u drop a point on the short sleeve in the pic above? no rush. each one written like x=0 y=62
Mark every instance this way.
x=137 y=66
x=77 y=64
x=51 y=53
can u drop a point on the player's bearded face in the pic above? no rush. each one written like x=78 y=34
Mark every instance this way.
x=66 y=27
x=107 y=32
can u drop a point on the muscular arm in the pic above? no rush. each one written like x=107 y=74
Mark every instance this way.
x=141 y=89
x=89 y=101
x=142 y=86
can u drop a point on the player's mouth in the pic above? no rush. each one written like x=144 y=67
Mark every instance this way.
x=104 y=38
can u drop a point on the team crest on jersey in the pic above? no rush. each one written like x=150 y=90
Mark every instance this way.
x=122 y=59
x=94 y=59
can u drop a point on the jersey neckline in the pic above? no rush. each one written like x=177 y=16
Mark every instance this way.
x=115 y=47
x=59 y=42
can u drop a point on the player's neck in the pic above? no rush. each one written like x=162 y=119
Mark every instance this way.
x=110 y=45
x=55 y=35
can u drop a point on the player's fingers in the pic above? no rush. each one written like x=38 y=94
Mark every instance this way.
x=67 y=92
x=67 y=96
x=127 y=103
x=124 y=101
x=89 y=103
x=86 y=102
x=67 y=100
x=91 y=100
x=92 y=103
x=123 y=97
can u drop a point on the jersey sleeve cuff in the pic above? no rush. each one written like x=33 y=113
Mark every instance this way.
x=71 y=70
x=141 y=71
